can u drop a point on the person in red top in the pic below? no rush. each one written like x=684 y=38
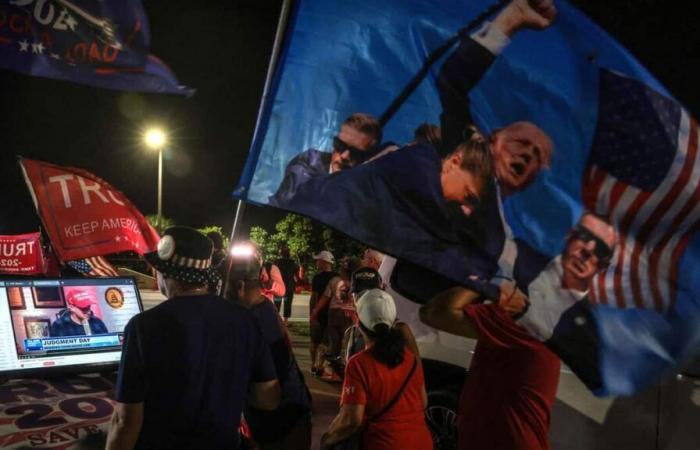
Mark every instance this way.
x=512 y=383
x=385 y=374
x=272 y=282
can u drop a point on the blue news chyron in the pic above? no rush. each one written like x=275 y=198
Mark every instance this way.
x=68 y=349
x=73 y=342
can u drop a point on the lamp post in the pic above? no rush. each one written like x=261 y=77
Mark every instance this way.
x=155 y=139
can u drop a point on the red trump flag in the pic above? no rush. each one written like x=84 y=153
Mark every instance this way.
x=21 y=254
x=84 y=215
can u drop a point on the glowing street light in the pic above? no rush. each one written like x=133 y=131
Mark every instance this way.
x=155 y=139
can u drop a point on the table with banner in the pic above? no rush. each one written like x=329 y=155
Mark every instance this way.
x=55 y=413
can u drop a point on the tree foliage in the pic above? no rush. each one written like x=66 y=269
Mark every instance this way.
x=304 y=238
x=164 y=224
x=215 y=229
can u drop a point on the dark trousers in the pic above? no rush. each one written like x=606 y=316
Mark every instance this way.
x=338 y=322
x=288 y=297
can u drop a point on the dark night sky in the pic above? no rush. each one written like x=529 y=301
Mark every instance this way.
x=222 y=48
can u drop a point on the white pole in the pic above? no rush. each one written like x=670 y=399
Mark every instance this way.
x=160 y=186
x=276 y=48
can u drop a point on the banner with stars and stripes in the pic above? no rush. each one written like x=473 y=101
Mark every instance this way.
x=103 y=44
x=95 y=266
x=592 y=207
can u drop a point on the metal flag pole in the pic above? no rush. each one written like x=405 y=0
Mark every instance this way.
x=432 y=58
x=272 y=66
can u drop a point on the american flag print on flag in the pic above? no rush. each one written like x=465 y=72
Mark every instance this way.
x=643 y=175
x=95 y=266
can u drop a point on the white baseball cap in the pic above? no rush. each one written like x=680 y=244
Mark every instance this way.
x=376 y=306
x=325 y=255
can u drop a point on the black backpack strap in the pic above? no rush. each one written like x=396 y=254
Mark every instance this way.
x=398 y=394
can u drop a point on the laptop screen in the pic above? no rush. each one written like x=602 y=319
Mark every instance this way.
x=48 y=323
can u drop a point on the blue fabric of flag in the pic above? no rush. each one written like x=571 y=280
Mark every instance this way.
x=341 y=57
x=103 y=44
x=637 y=133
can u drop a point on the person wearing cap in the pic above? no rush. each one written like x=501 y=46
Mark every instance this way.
x=288 y=426
x=318 y=315
x=363 y=279
x=384 y=386
x=77 y=319
x=189 y=364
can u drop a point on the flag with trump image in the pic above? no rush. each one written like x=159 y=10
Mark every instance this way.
x=514 y=148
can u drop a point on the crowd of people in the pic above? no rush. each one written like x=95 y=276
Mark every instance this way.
x=257 y=396
x=176 y=389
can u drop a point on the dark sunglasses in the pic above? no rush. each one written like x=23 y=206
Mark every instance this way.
x=602 y=250
x=356 y=154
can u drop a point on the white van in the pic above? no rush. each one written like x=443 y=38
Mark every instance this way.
x=665 y=417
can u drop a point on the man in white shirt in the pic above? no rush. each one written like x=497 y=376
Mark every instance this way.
x=566 y=279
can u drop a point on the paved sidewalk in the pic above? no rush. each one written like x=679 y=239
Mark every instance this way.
x=326 y=396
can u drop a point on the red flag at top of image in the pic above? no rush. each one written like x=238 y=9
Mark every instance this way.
x=84 y=215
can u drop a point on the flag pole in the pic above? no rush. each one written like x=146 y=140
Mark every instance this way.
x=271 y=67
x=436 y=54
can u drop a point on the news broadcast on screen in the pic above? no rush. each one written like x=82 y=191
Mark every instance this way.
x=46 y=323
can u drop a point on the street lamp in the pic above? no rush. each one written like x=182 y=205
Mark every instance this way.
x=155 y=139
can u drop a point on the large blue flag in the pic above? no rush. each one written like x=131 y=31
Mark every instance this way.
x=103 y=44
x=621 y=189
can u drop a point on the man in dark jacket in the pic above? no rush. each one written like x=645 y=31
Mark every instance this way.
x=78 y=319
x=357 y=136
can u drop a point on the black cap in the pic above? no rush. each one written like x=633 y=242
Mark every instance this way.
x=185 y=255
x=365 y=278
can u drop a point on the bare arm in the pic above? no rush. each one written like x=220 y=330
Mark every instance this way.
x=512 y=300
x=325 y=298
x=347 y=422
x=265 y=395
x=322 y=303
x=125 y=426
x=446 y=312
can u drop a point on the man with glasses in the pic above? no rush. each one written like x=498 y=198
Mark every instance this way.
x=566 y=279
x=353 y=145
x=507 y=398
x=556 y=309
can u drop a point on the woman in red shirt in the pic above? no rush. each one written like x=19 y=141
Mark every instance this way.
x=385 y=371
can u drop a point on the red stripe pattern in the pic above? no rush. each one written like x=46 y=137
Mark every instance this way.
x=654 y=227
